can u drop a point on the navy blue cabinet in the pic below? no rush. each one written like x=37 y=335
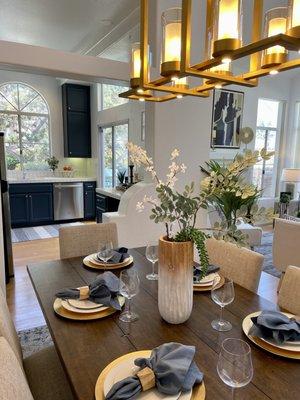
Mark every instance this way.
x=89 y=200
x=76 y=120
x=105 y=204
x=31 y=204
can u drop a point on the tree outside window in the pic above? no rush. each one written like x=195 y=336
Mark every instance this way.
x=110 y=96
x=24 y=117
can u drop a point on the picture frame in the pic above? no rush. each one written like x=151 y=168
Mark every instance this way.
x=227 y=114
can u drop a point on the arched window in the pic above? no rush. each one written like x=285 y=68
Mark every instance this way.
x=24 y=117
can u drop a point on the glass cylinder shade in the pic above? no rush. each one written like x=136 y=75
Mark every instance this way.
x=135 y=61
x=294 y=18
x=171 y=41
x=227 y=26
x=221 y=69
x=275 y=23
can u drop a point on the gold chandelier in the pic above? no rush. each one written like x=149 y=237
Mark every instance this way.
x=268 y=50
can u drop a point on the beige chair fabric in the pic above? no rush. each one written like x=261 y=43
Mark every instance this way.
x=286 y=244
x=46 y=377
x=81 y=240
x=289 y=294
x=241 y=265
x=7 y=328
x=13 y=383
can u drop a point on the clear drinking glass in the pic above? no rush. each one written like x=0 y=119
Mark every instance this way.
x=129 y=287
x=152 y=256
x=235 y=364
x=222 y=295
x=106 y=251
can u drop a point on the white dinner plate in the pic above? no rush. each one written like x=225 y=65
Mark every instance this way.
x=83 y=304
x=208 y=280
x=127 y=368
x=289 y=346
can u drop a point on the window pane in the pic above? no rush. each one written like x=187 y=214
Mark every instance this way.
x=10 y=92
x=120 y=149
x=35 y=142
x=9 y=125
x=37 y=106
x=107 y=158
x=267 y=113
x=5 y=104
x=111 y=97
x=26 y=94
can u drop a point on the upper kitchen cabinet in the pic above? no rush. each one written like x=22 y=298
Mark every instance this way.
x=77 y=120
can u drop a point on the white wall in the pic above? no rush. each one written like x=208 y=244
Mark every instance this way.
x=2 y=265
x=50 y=89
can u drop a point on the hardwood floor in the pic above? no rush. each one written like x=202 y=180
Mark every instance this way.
x=22 y=300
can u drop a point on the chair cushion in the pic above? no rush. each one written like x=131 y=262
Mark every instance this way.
x=46 y=377
x=13 y=385
x=7 y=328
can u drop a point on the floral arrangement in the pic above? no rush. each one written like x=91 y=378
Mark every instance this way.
x=53 y=163
x=171 y=207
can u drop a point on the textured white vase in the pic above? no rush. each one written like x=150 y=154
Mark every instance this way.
x=175 y=280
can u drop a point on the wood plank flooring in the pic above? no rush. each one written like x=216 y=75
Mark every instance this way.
x=22 y=300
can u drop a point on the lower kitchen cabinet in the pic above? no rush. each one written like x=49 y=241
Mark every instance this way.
x=31 y=204
x=105 y=204
x=89 y=200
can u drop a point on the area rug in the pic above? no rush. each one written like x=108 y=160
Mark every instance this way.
x=266 y=250
x=38 y=232
x=35 y=339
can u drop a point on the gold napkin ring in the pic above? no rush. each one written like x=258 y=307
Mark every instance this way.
x=147 y=378
x=84 y=292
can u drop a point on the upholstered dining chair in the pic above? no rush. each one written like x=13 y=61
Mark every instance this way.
x=81 y=240
x=39 y=376
x=241 y=265
x=289 y=293
x=286 y=242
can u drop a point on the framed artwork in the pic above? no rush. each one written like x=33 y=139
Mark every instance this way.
x=226 y=118
x=143 y=124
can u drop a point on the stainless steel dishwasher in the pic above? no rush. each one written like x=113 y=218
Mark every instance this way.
x=68 y=201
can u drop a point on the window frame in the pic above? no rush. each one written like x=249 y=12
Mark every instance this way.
x=101 y=128
x=19 y=113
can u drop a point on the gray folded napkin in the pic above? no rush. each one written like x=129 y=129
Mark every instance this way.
x=197 y=274
x=174 y=372
x=275 y=325
x=103 y=290
x=119 y=256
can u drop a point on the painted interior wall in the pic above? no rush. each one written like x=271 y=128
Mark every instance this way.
x=2 y=266
x=50 y=89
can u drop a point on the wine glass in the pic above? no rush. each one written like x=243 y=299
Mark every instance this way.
x=105 y=251
x=152 y=256
x=235 y=364
x=129 y=287
x=222 y=295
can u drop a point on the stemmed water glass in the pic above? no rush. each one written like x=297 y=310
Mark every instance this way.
x=152 y=256
x=105 y=251
x=129 y=287
x=235 y=364
x=222 y=295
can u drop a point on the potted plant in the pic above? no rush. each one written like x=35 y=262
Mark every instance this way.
x=53 y=163
x=176 y=248
x=121 y=176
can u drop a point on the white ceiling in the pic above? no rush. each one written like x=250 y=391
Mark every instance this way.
x=61 y=24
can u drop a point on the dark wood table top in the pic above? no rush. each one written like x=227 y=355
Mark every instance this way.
x=85 y=348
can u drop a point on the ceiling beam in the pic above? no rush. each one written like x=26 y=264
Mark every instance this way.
x=60 y=64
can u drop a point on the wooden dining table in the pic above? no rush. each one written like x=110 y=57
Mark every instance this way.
x=86 y=348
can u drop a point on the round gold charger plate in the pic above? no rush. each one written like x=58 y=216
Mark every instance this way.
x=247 y=323
x=60 y=310
x=198 y=391
x=108 y=266
x=208 y=288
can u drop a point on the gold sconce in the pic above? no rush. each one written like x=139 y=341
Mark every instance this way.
x=275 y=23
x=268 y=50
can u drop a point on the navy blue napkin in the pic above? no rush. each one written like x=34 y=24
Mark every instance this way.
x=275 y=325
x=119 y=256
x=103 y=290
x=197 y=274
x=174 y=370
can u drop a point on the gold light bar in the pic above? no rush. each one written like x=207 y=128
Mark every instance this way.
x=225 y=42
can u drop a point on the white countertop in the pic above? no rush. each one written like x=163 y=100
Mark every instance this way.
x=111 y=192
x=50 y=179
